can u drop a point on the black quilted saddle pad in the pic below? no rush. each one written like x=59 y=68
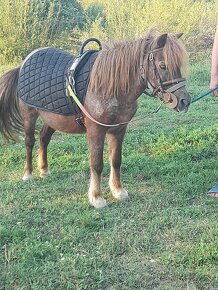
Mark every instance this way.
x=42 y=81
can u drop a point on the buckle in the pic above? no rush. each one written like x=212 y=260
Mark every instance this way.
x=151 y=56
x=80 y=120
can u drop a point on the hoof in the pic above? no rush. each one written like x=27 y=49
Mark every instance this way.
x=99 y=202
x=27 y=177
x=44 y=173
x=121 y=194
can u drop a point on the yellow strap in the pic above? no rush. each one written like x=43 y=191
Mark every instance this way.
x=77 y=101
x=86 y=113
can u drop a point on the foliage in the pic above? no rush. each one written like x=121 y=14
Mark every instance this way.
x=29 y=24
x=26 y=25
x=163 y=238
x=128 y=18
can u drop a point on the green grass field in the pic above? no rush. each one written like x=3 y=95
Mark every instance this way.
x=165 y=237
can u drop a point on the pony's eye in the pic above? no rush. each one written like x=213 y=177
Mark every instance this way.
x=162 y=65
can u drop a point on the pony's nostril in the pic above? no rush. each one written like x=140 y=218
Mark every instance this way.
x=184 y=102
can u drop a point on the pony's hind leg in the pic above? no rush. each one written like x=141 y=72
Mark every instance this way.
x=45 y=137
x=96 y=136
x=29 y=116
x=115 y=140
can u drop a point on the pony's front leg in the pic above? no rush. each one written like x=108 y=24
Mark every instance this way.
x=96 y=136
x=115 y=139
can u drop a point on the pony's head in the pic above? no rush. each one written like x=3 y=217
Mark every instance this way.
x=156 y=58
x=166 y=60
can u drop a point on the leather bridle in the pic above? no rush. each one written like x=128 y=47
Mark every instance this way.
x=162 y=87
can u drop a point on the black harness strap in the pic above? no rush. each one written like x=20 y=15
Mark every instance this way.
x=79 y=72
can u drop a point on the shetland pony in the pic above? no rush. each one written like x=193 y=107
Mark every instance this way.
x=120 y=74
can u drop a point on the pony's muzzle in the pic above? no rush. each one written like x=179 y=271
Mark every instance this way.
x=183 y=103
x=170 y=100
x=173 y=102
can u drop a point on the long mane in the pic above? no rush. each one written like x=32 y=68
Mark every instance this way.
x=117 y=66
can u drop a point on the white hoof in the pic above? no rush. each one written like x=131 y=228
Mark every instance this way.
x=121 y=194
x=99 y=202
x=27 y=177
x=44 y=173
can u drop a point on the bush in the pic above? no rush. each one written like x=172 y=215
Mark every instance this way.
x=29 y=24
x=129 y=18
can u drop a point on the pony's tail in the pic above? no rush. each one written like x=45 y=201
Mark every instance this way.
x=11 y=121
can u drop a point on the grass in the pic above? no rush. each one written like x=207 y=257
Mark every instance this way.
x=164 y=238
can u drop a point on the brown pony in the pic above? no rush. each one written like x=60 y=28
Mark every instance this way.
x=121 y=73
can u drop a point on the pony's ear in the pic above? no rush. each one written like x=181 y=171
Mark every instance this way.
x=178 y=35
x=161 y=40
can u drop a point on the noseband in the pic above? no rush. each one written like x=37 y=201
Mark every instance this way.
x=165 y=94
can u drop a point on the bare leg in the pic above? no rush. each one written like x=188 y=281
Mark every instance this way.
x=30 y=118
x=115 y=154
x=45 y=137
x=96 y=136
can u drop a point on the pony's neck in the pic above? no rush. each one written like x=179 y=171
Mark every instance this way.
x=116 y=71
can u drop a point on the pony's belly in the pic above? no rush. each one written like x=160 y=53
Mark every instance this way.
x=66 y=124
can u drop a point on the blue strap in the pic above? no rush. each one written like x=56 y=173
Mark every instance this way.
x=204 y=95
